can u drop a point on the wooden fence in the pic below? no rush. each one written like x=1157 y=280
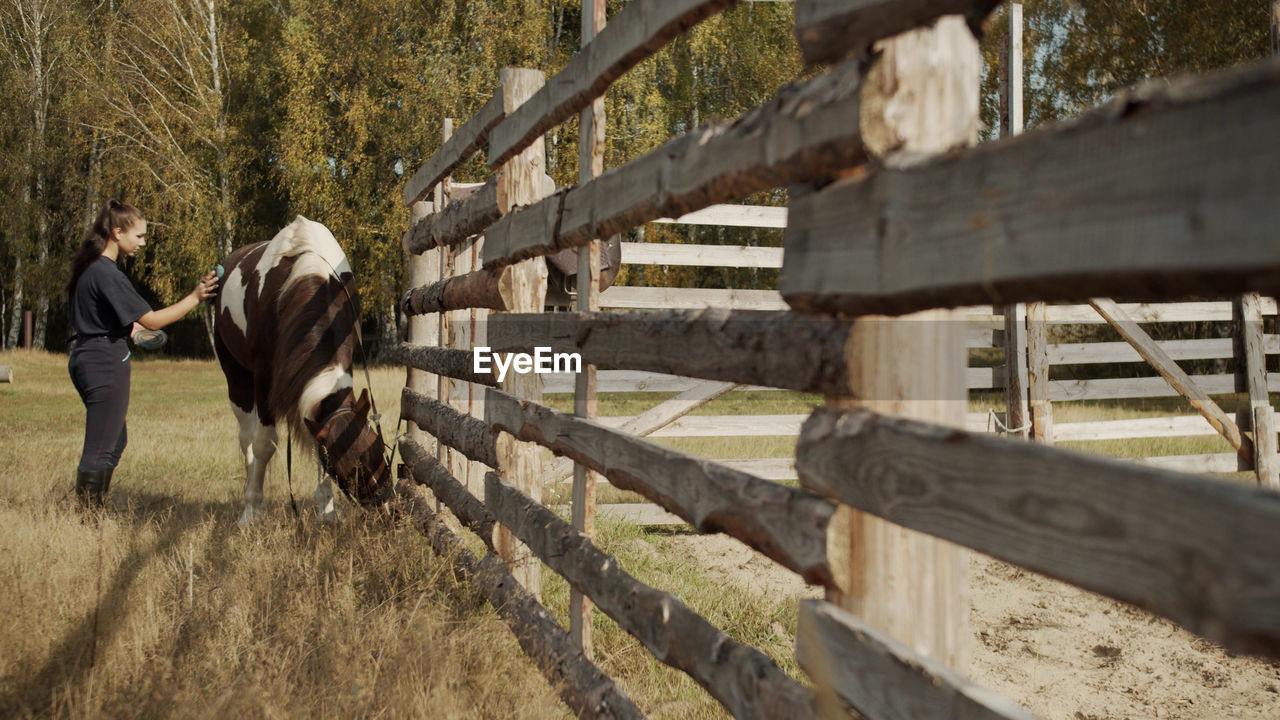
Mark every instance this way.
x=919 y=224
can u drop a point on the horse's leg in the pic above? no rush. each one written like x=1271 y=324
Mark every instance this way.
x=258 y=443
x=324 y=496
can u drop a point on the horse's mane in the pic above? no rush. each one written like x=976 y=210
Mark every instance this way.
x=316 y=321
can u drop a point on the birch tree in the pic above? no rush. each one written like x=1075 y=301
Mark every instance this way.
x=35 y=57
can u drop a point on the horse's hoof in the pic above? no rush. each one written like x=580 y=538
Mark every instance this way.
x=249 y=517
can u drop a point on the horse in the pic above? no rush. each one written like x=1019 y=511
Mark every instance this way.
x=286 y=325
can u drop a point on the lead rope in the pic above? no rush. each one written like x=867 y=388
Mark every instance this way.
x=288 y=464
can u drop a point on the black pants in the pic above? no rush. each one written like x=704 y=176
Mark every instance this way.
x=100 y=371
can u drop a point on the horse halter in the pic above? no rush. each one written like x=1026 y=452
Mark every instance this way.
x=388 y=488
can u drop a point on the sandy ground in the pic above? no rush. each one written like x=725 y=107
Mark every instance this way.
x=1061 y=652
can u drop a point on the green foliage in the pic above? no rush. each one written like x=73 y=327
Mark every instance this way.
x=1078 y=54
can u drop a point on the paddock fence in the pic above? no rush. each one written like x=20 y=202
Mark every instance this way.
x=891 y=215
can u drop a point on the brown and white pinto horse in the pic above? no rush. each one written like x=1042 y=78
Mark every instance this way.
x=286 y=328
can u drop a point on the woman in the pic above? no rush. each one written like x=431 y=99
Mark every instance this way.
x=104 y=306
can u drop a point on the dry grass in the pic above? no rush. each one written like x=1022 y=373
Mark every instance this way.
x=184 y=615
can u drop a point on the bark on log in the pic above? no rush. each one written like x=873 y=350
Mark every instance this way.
x=777 y=349
x=428 y=471
x=747 y=682
x=468 y=214
x=456 y=364
x=479 y=289
x=587 y=691
x=470 y=436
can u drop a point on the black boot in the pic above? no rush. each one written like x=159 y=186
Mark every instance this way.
x=91 y=487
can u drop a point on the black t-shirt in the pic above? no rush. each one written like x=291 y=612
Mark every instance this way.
x=104 y=302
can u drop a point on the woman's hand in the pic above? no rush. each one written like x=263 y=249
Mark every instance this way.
x=207 y=288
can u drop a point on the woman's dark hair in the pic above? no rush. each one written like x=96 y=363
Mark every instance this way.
x=114 y=214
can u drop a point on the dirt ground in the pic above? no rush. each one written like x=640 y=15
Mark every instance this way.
x=1060 y=652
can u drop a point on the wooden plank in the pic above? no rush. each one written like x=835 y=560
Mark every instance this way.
x=1176 y=376
x=747 y=425
x=888 y=244
x=1198 y=551
x=651 y=420
x=802 y=133
x=1038 y=402
x=1017 y=414
x=663 y=298
x=471 y=436
x=881 y=677
x=1210 y=463
x=740 y=256
x=1120 y=388
x=828 y=30
x=1117 y=352
x=430 y=473
x=1180 y=426
x=521 y=181
x=640 y=381
x=755 y=216
x=775 y=469
x=785 y=524
x=1206 y=311
x=587 y=691
x=746 y=681
x=718 y=425
x=1252 y=363
x=449 y=362
x=467 y=215
x=637 y=31
x=456 y=150
x=782 y=349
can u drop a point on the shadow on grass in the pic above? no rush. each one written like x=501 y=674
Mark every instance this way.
x=71 y=664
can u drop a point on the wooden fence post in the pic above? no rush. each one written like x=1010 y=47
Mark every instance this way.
x=908 y=584
x=1251 y=368
x=423 y=329
x=1038 y=373
x=591 y=129
x=521 y=182
x=1015 y=315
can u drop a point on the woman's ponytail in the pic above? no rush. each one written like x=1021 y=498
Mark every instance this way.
x=114 y=214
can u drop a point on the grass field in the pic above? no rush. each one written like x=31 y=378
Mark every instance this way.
x=167 y=609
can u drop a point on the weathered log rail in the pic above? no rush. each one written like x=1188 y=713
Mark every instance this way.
x=886 y=230
x=583 y=687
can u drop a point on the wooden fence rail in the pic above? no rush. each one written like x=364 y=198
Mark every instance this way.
x=1197 y=551
x=885 y=245
x=785 y=524
x=744 y=680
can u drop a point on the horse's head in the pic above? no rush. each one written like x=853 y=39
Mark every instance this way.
x=353 y=452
